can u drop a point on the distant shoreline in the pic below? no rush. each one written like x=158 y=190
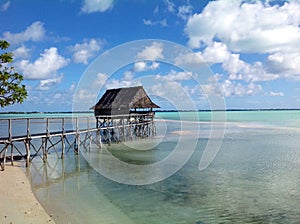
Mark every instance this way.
x=227 y=110
x=78 y=112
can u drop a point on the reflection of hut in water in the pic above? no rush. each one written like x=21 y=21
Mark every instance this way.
x=125 y=112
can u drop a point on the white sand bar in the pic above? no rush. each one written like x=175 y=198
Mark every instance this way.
x=17 y=202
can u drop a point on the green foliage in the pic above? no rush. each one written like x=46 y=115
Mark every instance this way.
x=11 y=89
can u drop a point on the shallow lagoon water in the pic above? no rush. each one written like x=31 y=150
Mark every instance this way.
x=254 y=178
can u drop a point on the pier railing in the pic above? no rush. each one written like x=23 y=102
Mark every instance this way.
x=31 y=137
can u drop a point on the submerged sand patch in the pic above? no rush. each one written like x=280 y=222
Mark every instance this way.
x=182 y=132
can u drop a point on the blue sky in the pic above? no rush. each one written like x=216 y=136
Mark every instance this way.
x=244 y=53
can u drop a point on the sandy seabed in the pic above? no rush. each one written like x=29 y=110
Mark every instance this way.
x=17 y=201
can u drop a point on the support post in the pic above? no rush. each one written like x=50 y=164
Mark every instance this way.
x=62 y=146
x=11 y=154
x=27 y=144
x=63 y=138
x=153 y=125
x=123 y=129
x=88 y=135
x=10 y=141
x=76 y=144
x=45 y=148
x=77 y=138
x=4 y=159
x=130 y=129
x=98 y=138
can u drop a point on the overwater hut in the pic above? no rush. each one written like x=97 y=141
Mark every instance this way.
x=126 y=111
x=124 y=101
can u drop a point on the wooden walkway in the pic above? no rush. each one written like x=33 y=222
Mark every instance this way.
x=27 y=138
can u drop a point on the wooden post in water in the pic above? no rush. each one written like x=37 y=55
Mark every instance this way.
x=27 y=144
x=98 y=135
x=109 y=130
x=45 y=149
x=123 y=129
x=77 y=138
x=130 y=128
x=152 y=124
x=63 y=138
x=89 y=133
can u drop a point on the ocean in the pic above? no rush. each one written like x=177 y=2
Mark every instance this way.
x=201 y=167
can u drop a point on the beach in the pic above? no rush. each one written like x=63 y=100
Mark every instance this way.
x=18 y=203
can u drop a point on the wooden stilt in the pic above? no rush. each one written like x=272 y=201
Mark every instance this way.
x=77 y=138
x=2 y=164
x=27 y=146
x=44 y=149
x=89 y=133
x=10 y=140
x=62 y=146
x=77 y=144
x=123 y=129
x=63 y=138
x=90 y=141
x=98 y=139
x=11 y=154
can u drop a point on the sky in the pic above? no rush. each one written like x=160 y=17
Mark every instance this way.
x=188 y=54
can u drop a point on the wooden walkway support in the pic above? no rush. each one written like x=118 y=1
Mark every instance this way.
x=27 y=138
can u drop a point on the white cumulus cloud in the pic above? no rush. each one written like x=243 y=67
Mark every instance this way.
x=241 y=70
x=21 y=52
x=128 y=75
x=101 y=79
x=230 y=88
x=175 y=76
x=35 y=32
x=85 y=96
x=46 y=84
x=152 y=52
x=216 y=52
x=118 y=83
x=141 y=66
x=82 y=52
x=232 y=64
x=285 y=63
x=45 y=67
x=246 y=27
x=91 y=6
x=174 y=95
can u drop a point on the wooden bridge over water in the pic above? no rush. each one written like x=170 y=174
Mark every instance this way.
x=27 y=138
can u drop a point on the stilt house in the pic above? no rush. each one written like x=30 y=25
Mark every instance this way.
x=124 y=101
x=125 y=113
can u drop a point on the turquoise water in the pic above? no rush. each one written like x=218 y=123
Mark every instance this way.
x=254 y=178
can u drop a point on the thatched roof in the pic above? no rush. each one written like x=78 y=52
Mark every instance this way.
x=124 y=98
